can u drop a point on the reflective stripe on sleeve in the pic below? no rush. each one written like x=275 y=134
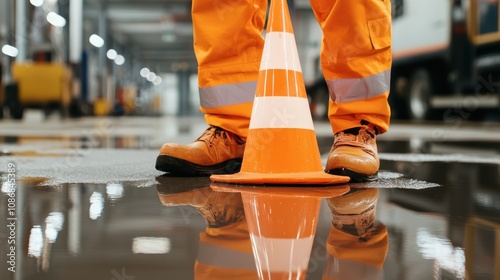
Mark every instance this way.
x=353 y=89
x=212 y=255
x=348 y=269
x=229 y=94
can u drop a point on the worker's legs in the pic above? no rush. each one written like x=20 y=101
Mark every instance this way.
x=228 y=45
x=356 y=62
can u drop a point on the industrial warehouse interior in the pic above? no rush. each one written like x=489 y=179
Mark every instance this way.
x=105 y=174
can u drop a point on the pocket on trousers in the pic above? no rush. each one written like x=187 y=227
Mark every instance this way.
x=380 y=33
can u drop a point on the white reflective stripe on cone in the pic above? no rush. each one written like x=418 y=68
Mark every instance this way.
x=280 y=254
x=281 y=112
x=280 y=52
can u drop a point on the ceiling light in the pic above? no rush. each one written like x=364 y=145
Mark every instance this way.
x=119 y=60
x=157 y=81
x=151 y=76
x=10 y=50
x=36 y=3
x=56 y=20
x=96 y=41
x=111 y=54
x=144 y=72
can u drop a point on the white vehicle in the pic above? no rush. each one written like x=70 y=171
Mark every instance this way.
x=446 y=55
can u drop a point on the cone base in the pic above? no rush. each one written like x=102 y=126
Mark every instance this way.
x=283 y=190
x=304 y=178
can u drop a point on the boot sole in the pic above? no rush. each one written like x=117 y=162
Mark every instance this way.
x=355 y=176
x=182 y=167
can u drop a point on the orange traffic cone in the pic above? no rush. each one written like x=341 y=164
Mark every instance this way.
x=281 y=146
x=282 y=224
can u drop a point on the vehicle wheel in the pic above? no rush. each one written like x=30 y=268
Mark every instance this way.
x=420 y=90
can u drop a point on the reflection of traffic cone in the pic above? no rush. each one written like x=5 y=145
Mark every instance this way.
x=282 y=224
x=281 y=146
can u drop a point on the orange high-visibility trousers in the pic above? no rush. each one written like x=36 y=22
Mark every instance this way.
x=225 y=253
x=228 y=44
x=356 y=60
x=355 y=56
x=350 y=258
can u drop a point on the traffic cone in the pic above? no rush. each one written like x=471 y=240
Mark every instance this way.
x=282 y=224
x=281 y=146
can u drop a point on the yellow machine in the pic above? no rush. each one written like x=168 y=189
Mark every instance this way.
x=39 y=85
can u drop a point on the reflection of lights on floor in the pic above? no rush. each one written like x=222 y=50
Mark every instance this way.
x=440 y=249
x=35 y=243
x=7 y=187
x=114 y=191
x=96 y=205
x=151 y=245
x=54 y=223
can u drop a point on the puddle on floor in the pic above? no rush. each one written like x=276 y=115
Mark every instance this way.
x=440 y=221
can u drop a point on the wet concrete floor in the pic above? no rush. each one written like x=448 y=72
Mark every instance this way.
x=88 y=204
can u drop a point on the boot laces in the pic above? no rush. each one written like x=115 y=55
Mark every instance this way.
x=212 y=133
x=362 y=225
x=353 y=135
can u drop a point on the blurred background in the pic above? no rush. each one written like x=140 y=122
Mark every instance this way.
x=135 y=57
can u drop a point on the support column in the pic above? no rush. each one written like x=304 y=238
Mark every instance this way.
x=21 y=26
x=102 y=71
x=103 y=33
x=6 y=33
x=75 y=30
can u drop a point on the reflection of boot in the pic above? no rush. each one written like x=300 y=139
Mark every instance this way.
x=357 y=244
x=216 y=151
x=222 y=209
x=224 y=250
x=354 y=212
x=218 y=208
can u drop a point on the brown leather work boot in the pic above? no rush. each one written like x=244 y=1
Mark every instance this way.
x=216 y=151
x=354 y=212
x=354 y=154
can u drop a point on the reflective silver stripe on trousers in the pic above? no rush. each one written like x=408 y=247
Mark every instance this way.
x=212 y=255
x=348 y=269
x=230 y=94
x=354 y=89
